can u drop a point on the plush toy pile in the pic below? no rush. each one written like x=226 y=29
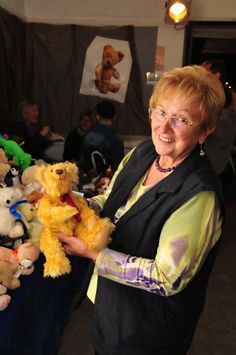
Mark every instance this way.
x=36 y=202
x=19 y=226
x=63 y=210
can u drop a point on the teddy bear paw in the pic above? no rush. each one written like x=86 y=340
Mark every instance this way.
x=4 y=301
x=55 y=267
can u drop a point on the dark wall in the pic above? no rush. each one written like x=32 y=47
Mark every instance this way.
x=45 y=62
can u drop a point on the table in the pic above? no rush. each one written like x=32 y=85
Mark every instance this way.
x=33 y=322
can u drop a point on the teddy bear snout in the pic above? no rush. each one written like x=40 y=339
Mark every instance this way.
x=8 y=202
x=59 y=171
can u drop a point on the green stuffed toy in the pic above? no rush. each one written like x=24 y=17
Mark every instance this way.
x=11 y=148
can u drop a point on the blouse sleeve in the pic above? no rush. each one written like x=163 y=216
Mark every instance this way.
x=185 y=241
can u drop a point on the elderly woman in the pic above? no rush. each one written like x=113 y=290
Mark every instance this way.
x=166 y=202
x=29 y=130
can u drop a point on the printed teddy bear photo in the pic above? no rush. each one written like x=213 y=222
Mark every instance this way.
x=106 y=72
x=107 y=68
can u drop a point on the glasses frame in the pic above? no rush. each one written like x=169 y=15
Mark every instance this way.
x=170 y=117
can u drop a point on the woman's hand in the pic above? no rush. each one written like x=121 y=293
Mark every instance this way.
x=76 y=246
x=45 y=131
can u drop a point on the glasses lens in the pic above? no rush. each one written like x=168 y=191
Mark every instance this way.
x=179 y=122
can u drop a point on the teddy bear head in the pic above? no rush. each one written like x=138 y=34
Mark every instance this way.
x=102 y=185
x=9 y=196
x=58 y=179
x=28 y=210
x=3 y=157
x=111 y=56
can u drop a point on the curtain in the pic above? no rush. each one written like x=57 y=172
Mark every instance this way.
x=45 y=62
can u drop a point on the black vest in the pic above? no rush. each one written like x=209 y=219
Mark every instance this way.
x=130 y=321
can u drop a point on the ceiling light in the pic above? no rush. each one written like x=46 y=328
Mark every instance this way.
x=177 y=11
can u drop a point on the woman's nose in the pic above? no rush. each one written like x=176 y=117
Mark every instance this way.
x=165 y=125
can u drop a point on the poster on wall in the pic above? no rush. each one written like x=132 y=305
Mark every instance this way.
x=160 y=58
x=107 y=69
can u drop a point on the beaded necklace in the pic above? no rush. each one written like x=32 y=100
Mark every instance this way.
x=159 y=168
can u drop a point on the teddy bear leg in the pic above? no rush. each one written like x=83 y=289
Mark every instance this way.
x=56 y=261
x=16 y=231
x=115 y=87
x=4 y=301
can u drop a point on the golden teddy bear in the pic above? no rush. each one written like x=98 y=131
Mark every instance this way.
x=63 y=210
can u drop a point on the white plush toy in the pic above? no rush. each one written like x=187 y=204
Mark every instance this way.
x=11 y=226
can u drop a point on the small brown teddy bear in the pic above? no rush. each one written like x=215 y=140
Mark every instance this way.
x=24 y=257
x=63 y=210
x=8 y=280
x=105 y=71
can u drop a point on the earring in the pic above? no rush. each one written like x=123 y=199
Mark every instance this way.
x=202 y=153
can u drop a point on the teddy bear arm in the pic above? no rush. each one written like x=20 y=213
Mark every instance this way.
x=63 y=214
x=57 y=214
x=116 y=74
x=7 y=255
x=98 y=72
x=27 y=251
x=8 y=279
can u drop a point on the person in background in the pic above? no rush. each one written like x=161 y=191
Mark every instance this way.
x=219 y=145
x=74 y=140
x=29 y=132
x=233 y=89
x=217 y=67
x=102 y=147
x=166 y=201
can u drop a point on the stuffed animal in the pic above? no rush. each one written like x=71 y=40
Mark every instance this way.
x=34 y=226
x=8 y=280
x=24 y=257
x=102 y=185
x=4 y=298
x=106 y=71
x=4 y=165
x=11 y=226
x=12 y=177
x=12 y=149
x=31 y=187
x=62 y=210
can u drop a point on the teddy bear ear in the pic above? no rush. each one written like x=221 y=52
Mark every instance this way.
x=40 y=173
x=74 y=171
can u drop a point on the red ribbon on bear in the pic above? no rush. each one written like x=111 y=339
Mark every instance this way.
x=67 y=198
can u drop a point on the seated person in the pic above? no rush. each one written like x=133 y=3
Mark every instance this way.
x=73 y=142
x=102 y=147
x=219 y=145
x=29 y=131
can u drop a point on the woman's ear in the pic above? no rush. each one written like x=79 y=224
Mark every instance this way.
x=205 y=133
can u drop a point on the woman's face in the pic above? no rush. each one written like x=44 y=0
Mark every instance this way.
x=170 y=138
x=31 y=114
x=86 y=123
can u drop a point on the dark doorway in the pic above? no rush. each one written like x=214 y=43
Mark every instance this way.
x=212 y=40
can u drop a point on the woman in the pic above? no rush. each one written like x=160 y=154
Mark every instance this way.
x=74 y=140
x=166 y=202
x=29 y=131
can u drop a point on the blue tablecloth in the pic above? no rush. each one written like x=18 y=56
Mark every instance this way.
x=33 y=322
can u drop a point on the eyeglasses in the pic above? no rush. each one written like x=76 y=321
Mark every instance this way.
x=178 y=122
